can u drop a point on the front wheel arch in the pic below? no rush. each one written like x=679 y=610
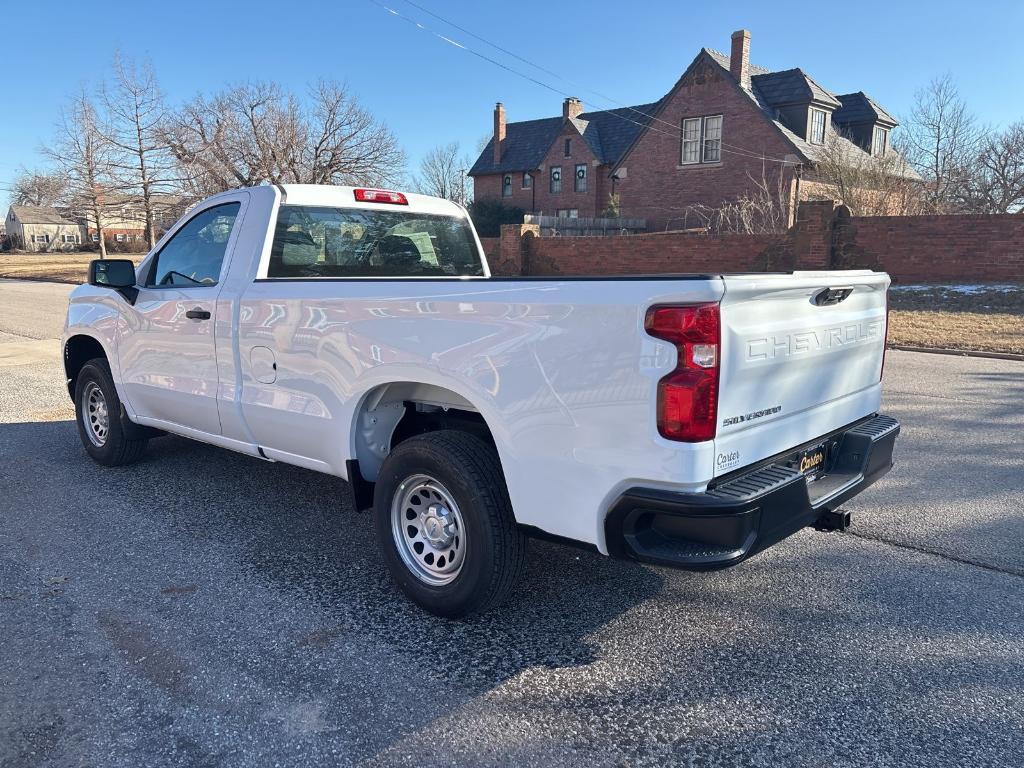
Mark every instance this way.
x=79 y=350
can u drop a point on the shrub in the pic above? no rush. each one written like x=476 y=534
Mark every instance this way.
x=489 y=215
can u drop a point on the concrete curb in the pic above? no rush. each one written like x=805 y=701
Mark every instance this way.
x=958 y=352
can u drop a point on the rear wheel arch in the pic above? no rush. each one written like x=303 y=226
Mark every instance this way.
x=391 y=413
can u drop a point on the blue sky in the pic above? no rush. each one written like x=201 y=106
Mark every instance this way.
x=429 y=92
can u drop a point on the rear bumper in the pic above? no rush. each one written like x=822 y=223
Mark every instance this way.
x=747 y=512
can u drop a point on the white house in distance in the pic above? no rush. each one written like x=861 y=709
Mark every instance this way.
x=38 y=228
x=41 y=228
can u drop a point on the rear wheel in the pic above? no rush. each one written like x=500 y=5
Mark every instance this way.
x=445 y=526
x=98 y=412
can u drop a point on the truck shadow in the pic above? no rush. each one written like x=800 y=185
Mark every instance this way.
x=292 y=534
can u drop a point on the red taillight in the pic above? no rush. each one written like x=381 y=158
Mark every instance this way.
x=380 y=196
x=688 y=397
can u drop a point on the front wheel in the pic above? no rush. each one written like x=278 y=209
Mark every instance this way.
x=98 y=413
x=445 y=526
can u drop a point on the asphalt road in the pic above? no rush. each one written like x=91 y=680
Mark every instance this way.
x=203 y=608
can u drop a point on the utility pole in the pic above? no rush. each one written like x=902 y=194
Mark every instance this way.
x=462 y=186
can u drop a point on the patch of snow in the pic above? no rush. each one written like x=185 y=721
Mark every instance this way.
x=963 y=288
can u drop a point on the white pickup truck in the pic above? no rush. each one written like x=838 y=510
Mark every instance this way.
x=683 y=420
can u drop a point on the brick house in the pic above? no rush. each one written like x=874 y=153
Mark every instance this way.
x=724 y=126
x=124 y=219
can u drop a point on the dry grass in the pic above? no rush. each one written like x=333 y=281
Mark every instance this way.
x=981 y=318
x=55 y=267
x=958 y=330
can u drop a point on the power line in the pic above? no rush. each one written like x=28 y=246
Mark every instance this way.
x=734 y=149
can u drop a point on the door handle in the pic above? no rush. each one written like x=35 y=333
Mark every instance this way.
x=198 y=314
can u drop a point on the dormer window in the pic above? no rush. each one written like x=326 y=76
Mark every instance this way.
x=817 y=126
x=880 y=141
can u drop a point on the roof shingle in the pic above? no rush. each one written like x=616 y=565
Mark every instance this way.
x=608 y=134
x=791 y=86
x=39 y=214
x=860 y=108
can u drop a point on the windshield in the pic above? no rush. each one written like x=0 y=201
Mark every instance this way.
x=314 y=241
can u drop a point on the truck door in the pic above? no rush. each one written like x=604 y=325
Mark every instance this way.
x=166 y=346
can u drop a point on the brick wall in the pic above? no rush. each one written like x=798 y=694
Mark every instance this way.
x=935 y=248
x=910 y=248
x=649 y=254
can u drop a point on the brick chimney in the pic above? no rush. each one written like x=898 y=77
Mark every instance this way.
x=739 y=60
x=499 y=130
x=572 y=107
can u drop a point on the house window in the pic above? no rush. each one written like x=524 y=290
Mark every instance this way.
x=556 y=179
x=40 y=238
x=69 y=238
x=568 y=213
x=701 y=140
x=580 y=180
x=691 y=140
x=712 y=139
x=527 y=181
x=120 y=237
x=506 y=186
x=568 y=147
x=95 y=237
x=817 y=126
x=880 y=141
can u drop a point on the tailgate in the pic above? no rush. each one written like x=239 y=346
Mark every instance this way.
x=801 y=356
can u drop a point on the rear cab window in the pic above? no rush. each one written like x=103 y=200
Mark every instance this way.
x=327 y=242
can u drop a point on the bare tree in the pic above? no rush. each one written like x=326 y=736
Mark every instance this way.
x=443 y=173
x=869 y=185
x=941 y=139
x=84 y=156
x=39 y=188
x=256 y=133
x=996 y=181
x=141 y=160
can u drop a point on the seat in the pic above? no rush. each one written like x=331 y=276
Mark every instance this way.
x=398 y=253
x=299 y=251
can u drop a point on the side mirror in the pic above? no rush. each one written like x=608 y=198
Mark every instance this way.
x=118 y=274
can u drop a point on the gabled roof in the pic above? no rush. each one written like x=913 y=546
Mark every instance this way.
x=526 y=143
x=722 y=59
x=38 y=214
x=608 y=134
x=611 y=134
x=791 y=86
x=860 y=108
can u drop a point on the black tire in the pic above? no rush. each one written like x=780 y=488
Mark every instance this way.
x=495 y=549
x=115 y=448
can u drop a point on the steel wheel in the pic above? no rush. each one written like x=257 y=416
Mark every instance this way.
x=95 y=416
x=429 y=531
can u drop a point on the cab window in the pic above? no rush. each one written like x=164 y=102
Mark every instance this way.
x=312 y=241
x=193 y=256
